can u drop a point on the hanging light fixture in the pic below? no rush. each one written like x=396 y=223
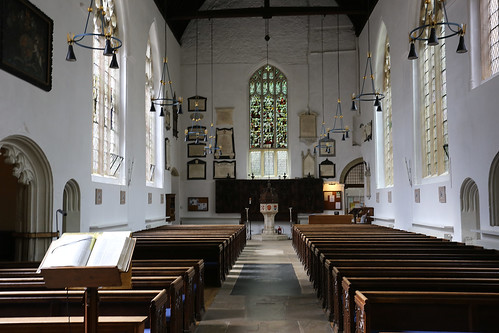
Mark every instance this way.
x=196 y=104
x=325 y=143
x=211 y=147
x=165 y=90
x=428 y=30
x=105 y=35
x=368 y=95
x=338 y=126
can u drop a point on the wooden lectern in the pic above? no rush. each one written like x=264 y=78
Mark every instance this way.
x=91 y=278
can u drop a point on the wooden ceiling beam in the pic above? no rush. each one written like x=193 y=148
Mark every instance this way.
x=264 y=12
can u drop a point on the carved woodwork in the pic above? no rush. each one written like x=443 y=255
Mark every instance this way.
x=303 y=195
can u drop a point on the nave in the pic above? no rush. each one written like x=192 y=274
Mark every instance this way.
x=267 y=290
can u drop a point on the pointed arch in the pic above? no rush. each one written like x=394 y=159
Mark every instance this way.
x=34 y=195
x=470 y=211
x=494 y=192
x=268 y=122
x=71 y=205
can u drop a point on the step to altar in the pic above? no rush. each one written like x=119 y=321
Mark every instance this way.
x=270 y=237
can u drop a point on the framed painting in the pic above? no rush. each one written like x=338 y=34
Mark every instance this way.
x=196 y=169
x=224 y=169
x=196 y=150
x=167 y=154
x=225 y=140
x=195 y=132
x=327 y=147
x=197 y=204
x=196 y=103
x=26 y=42
x=327 y=169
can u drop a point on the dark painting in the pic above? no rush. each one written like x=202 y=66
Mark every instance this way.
x=26 y=42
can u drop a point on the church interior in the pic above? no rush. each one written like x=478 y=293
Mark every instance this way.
x=213 y=129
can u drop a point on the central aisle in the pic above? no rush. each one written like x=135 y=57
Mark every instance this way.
x=267 y=290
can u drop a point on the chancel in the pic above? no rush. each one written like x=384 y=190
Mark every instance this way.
x=402 y=215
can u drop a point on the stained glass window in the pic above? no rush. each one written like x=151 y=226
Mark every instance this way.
x=268 y=112
x=150 y=118
x=434 y=104
x=105 y=101
x=387 y=118
x=489 y=12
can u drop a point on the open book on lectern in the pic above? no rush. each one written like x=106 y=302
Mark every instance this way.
x=113 y=248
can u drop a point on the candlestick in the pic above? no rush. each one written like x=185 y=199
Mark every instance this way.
x=290 y=215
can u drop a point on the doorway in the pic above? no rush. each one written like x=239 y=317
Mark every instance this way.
x=26 y=216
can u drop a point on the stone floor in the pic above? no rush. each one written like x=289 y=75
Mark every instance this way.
x=265 y=313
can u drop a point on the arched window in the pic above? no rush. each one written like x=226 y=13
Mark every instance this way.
x=150 y=118
x=433 y=102
x=489 y=13
x=105 y=94
x=494 y=192
x=268 y=113
x=387 y=118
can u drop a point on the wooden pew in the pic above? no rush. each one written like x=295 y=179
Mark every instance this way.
x=50 y=303
x=389 y=311
x=210 y=252
x=122 y=324
x=321 y=268
x=18 y=280
x=340 y=272
x=346 y=320
x=198 y=278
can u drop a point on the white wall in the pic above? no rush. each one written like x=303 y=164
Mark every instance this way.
x=472 y=116
x=60 y=122
x=239 y=50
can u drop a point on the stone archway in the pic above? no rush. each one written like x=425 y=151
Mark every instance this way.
x=470 y=211
x=34 y=196
x=71 y=205
x=355 y=178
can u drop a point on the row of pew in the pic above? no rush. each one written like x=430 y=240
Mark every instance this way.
x=166 y=295
x=375 y=279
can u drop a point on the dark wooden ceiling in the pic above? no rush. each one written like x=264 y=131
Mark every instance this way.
x=178 y=13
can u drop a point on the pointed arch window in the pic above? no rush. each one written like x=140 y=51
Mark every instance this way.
x=150 y=118
x=433 y=103
x=105 y=104
x=268 y=114
x=387 y=118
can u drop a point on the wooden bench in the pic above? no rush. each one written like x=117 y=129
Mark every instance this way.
x=210 y=252
x=198 y=277
x=336 y=299
x=425 y=311
x=330 y=219
x=345 y=315
x=122 y=324
x=50 y=303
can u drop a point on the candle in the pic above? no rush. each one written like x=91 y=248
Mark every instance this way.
x=247 y=216
x=290 y=214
